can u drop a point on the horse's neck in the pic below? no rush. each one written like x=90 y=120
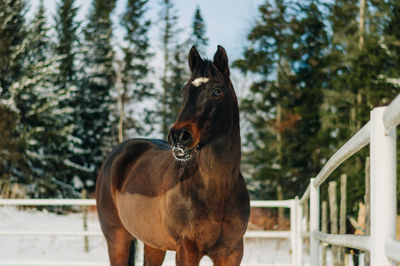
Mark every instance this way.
x=219 y=161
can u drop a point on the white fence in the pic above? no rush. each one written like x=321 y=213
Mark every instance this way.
x=380 y=133
x=49 y=202
x=294 y=235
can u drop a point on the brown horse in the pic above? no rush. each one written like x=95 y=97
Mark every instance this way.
x=192 y=198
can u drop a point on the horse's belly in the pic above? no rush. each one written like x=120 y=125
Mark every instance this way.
x=141 y=216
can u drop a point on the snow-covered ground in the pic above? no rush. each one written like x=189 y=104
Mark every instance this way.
x=52 y=250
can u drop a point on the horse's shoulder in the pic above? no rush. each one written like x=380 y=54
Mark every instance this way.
x=126 y=154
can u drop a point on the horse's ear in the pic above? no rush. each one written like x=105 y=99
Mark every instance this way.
x=221 y=61
x=194 y=59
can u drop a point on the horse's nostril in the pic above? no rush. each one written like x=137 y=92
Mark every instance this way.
x=185 y=137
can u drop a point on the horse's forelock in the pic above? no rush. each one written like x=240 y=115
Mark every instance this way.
x=206 y=69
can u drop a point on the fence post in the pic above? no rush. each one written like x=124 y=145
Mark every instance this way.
x=84 y=213
x=324 y=225
x=367 y=199
x=299 y=238
x=342 y=215
x=333 y=214
x=383 y=187
x=295 y=232
x=314 y=223
x=306 y=224
x=293 y=229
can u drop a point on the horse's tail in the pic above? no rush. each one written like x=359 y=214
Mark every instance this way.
x=132 y=253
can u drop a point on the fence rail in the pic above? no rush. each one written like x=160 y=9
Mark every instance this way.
x=350 y=241
x=293 y=234
x=356 y=143
x=92 y=202
x=49 y=233
x=54 y=262
x=391 y=116
x=48 y=202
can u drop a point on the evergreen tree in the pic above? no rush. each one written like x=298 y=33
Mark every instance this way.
x=38 y=108
x=172 y=79
x=391 y=47
x=179 y=75
x=66 y=30
x=66 y=85
x=302 y=147
x=13 y=33
x=266 y=108
x=286 y=56
x=93 y=133
x=136 y=85
x=12 y=43
x=198 y=36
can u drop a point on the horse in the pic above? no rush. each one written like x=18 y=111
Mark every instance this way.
x=188 y=194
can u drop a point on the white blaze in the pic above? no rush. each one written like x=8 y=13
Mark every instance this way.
x=198 y=81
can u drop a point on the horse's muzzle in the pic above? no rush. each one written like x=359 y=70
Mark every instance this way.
x=181 y=141
x=180 y=137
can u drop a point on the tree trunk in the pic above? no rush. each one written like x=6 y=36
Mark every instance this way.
x=281 y=211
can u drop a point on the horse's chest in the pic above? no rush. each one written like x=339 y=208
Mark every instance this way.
x=195 y=218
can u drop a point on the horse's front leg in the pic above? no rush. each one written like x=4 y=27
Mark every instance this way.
x=153 y=256
x=232 y=259
x=119 y=243
x=187 y=254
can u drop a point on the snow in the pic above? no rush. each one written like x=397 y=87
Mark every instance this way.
x=51 y=250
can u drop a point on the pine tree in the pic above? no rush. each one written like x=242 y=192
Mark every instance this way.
x=308 y=60
x=136 y=84
x=66 y=30
x=93 y=134
x=340 y=102
x=13 y=33
x=198 y=36
x=173 y=69
x=391 y=47
x=38 y=108
x=286 y=56
x=179 y=75
x=267 y=105
x=12 y=41
x=66 y=84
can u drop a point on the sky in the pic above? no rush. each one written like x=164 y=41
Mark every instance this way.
x=227 y=21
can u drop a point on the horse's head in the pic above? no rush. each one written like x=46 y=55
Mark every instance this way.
x=209 y=108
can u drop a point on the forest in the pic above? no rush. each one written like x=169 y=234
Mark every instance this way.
x=314 y=68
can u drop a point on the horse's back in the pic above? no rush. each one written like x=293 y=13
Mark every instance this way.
x=123 y=156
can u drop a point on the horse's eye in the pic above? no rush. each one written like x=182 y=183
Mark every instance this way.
x=216 y=92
